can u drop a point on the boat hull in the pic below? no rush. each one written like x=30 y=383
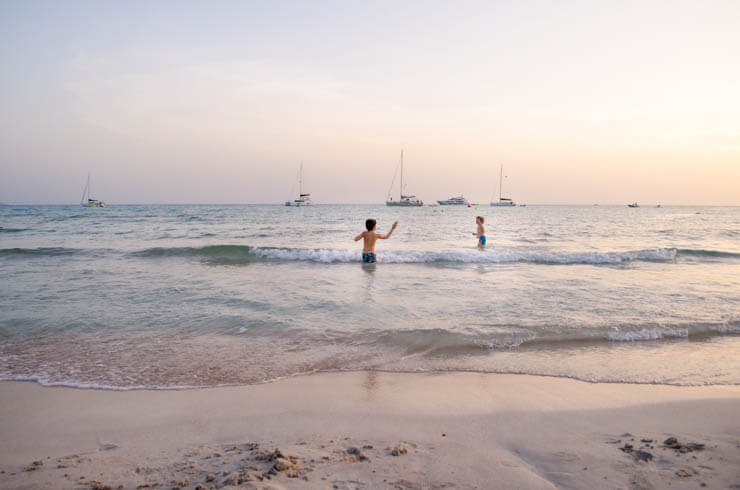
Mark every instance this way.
x=404 y=204
x=507 y=204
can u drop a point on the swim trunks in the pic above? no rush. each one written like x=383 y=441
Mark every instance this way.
x=368 y=257
x=482 y=240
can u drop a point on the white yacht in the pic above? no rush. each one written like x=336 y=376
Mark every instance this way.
x=87 y=201
x=455 y=201
x=403 y=199
x=304 y=199
x=502 y=201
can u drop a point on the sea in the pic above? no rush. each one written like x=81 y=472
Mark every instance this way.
x=186 y=296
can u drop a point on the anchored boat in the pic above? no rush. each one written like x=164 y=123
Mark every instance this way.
x=403 y=200
x=304 y=199
x=502 y=201
x=87 y=201
x=455 y=201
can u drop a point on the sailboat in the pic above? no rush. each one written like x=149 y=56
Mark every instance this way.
x=502 y=201
x=304 y=199
x=403 y=200
x=87 y=201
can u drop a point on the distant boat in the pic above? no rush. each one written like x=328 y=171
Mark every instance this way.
x=304 y=199
x=87 y=201
x=404 y=200
x=502 y=201
x=658 y=206
x=633 y=205
x=455 y=201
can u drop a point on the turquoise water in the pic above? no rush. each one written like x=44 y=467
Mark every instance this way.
x=181 y=296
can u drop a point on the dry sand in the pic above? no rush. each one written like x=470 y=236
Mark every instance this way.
x=373 y=430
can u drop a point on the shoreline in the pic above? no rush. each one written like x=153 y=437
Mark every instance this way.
x=457 y=429
x=111 y=388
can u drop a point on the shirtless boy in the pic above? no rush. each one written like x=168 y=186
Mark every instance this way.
x=481 y=233
x=370 y=237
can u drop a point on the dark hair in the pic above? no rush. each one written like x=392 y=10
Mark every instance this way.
x=480 y=218
x=369 y=224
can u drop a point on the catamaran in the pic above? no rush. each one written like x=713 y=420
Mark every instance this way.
x=404 y=200
x=502 y=201
x=87 y=201
x=304 y=199
x=455 y=201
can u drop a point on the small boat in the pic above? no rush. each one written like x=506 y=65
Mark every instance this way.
x=87 y=201
x=304 y=199
x=633 y=205
x=502 y=201
x=658 y=206
x=455 y=201
x=404 y=199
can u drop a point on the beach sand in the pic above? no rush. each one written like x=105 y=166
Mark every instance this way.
x=373 y=430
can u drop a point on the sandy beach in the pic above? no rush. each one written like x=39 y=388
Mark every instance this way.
x=373 y=430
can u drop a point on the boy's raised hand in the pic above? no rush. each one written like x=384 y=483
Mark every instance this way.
x=395 y=223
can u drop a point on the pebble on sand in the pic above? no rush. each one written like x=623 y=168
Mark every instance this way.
x=34 y=466
x=399 y=450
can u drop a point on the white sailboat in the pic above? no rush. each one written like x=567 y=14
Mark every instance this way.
x=87 y=201
x=403 y=200
x=502 y=201
x=304 y=199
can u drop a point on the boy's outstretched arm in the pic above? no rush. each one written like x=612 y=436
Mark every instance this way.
x=358 y=237
x=388 y=235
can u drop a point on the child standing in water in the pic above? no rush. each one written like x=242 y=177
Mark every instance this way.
x=368 y=246
x=481 y=233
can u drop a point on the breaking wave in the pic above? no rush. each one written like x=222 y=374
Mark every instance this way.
x=246 y=254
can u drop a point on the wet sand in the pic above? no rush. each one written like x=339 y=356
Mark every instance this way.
x=373 y=430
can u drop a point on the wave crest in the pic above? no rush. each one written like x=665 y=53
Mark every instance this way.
x=236 y=254
x=246 y=254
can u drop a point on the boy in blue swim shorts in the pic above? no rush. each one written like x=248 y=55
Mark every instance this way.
x=370 y=237
x=481 y=233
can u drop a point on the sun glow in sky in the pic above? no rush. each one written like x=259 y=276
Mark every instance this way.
x=218 y=102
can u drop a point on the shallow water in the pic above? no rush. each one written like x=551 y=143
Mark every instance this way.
x=173 y=296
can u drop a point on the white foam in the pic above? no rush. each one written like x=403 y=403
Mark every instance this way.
x=326 y=255
x=648 y=334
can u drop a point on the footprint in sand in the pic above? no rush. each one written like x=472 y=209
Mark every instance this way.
x=564 y=456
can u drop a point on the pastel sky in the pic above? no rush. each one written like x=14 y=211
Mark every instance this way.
x=219 y=101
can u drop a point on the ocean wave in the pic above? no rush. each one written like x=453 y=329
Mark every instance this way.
x=435 y=342
x=76 y=360
x=37 y=252
x=12 y=230
x=236 y=254
x=708 y=253
x=246 y=254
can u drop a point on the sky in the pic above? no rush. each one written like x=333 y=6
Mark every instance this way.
x=218 y=102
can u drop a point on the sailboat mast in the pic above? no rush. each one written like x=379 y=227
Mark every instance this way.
x=88 y=185
x=300 y=180
x=400 y=190
x=500 y=181
x=84 y=191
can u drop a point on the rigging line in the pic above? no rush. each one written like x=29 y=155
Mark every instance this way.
x=390 y=189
